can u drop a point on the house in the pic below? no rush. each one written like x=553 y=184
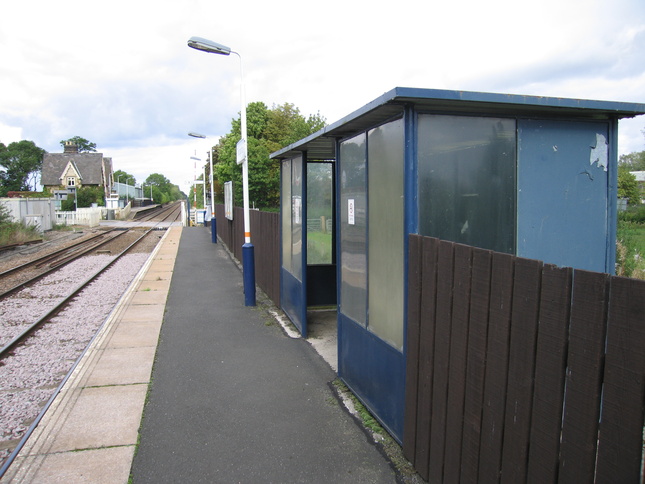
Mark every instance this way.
x=64 y=172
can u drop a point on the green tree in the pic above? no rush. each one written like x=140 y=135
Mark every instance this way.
x=20 y=164
x=633 y=161
x=121 y=176
x=268 y=130
x=627 y=185
x=83 y=144
x=163 y=191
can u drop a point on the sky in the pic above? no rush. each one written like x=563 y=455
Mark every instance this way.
x=120 y=73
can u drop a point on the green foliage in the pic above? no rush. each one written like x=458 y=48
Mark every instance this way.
x=20 y=163
x=88 y=195
x=14 y=232
x=68 y=205
x=630 y=249
x=163 y=191
x=83 y=144
x=121 y=176
x=633 y=161
x=628 y=186
x=633 y=215
x=268 y=131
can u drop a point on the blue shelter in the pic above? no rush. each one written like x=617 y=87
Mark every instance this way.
x=530 y=176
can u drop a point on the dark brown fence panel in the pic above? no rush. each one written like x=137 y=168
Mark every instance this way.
x=443 y=324
x=428 y=263
x=584 y=377
x=621 y=422
x=521 y=372
x=519 y=393
x=476 y=365
x=265 y=236
x=457 y=362
x=413 y=340
x=550 y=368
x=501 y=294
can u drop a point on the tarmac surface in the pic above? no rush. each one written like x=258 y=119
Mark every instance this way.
x=231 y=398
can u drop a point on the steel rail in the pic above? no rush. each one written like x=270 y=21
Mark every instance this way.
x=56 y=309
x=52 y=255
x=57 y=265
x=36 y=422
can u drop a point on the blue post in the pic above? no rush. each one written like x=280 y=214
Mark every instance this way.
x=248 y=267
x=213 y=230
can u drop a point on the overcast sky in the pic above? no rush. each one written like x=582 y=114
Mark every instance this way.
x=120 y=74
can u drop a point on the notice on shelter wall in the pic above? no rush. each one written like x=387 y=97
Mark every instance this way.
x=351 y=219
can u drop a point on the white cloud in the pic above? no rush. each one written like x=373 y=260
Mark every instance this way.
x=121 y=75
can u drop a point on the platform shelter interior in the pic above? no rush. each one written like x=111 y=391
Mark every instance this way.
x=530 y=176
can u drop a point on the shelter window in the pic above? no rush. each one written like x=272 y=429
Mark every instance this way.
x=467 y=181
x=71 y=181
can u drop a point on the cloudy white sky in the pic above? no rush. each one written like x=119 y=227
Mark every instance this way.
x=120 y=74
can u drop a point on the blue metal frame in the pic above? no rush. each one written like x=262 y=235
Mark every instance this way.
x=293 y=292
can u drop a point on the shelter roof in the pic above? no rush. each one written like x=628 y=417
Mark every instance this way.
x=322 y=144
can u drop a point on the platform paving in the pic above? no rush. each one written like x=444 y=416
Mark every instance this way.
x=231 y=397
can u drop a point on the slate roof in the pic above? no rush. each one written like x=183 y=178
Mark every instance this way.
x=89 y=166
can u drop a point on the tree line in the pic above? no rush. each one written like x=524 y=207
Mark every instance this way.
x=268 y=130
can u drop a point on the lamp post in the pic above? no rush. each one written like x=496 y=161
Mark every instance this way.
x=248 y=257
x=213 y=220
x=195 y=160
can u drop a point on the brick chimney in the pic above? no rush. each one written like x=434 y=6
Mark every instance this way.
x=70 y=147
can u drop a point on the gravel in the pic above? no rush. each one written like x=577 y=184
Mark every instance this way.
x=31 y=374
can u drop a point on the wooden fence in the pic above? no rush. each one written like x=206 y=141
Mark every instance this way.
x=519 y=371
x=265 y=237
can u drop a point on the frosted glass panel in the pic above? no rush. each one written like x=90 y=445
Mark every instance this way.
x=386 y=232
x=353 y=229
x=285 y=202
x=296 y=218
x=467 y=180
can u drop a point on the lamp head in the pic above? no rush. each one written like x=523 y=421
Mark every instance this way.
x=196 y=135
x=206 y=45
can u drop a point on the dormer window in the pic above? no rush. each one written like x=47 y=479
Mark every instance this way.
x=71 y=181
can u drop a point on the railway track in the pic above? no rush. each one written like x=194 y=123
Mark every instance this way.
x=30 y=327
x=38 y=354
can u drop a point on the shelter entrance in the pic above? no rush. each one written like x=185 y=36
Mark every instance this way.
x=308 y=273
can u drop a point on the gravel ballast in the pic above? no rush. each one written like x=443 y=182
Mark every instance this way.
x=33 y=372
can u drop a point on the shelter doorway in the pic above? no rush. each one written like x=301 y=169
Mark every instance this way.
x=308 y=272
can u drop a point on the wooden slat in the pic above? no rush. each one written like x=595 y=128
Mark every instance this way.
x=476 y=365
x=441 y=359
x=427 y=351
x=550 y=367
x=413 y=336
x=458 y=359
x=521 y=365
x=620 y=444
x=501 y=295
x=583 y=380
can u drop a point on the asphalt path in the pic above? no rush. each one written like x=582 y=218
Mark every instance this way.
x=233 y=399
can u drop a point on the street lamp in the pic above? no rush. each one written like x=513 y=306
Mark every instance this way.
x=213 y=220
x=248 y=257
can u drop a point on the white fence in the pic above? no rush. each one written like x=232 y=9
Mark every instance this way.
x=83 y=216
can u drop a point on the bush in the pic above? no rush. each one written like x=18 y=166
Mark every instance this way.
x=633 y=215
x=14 y=232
